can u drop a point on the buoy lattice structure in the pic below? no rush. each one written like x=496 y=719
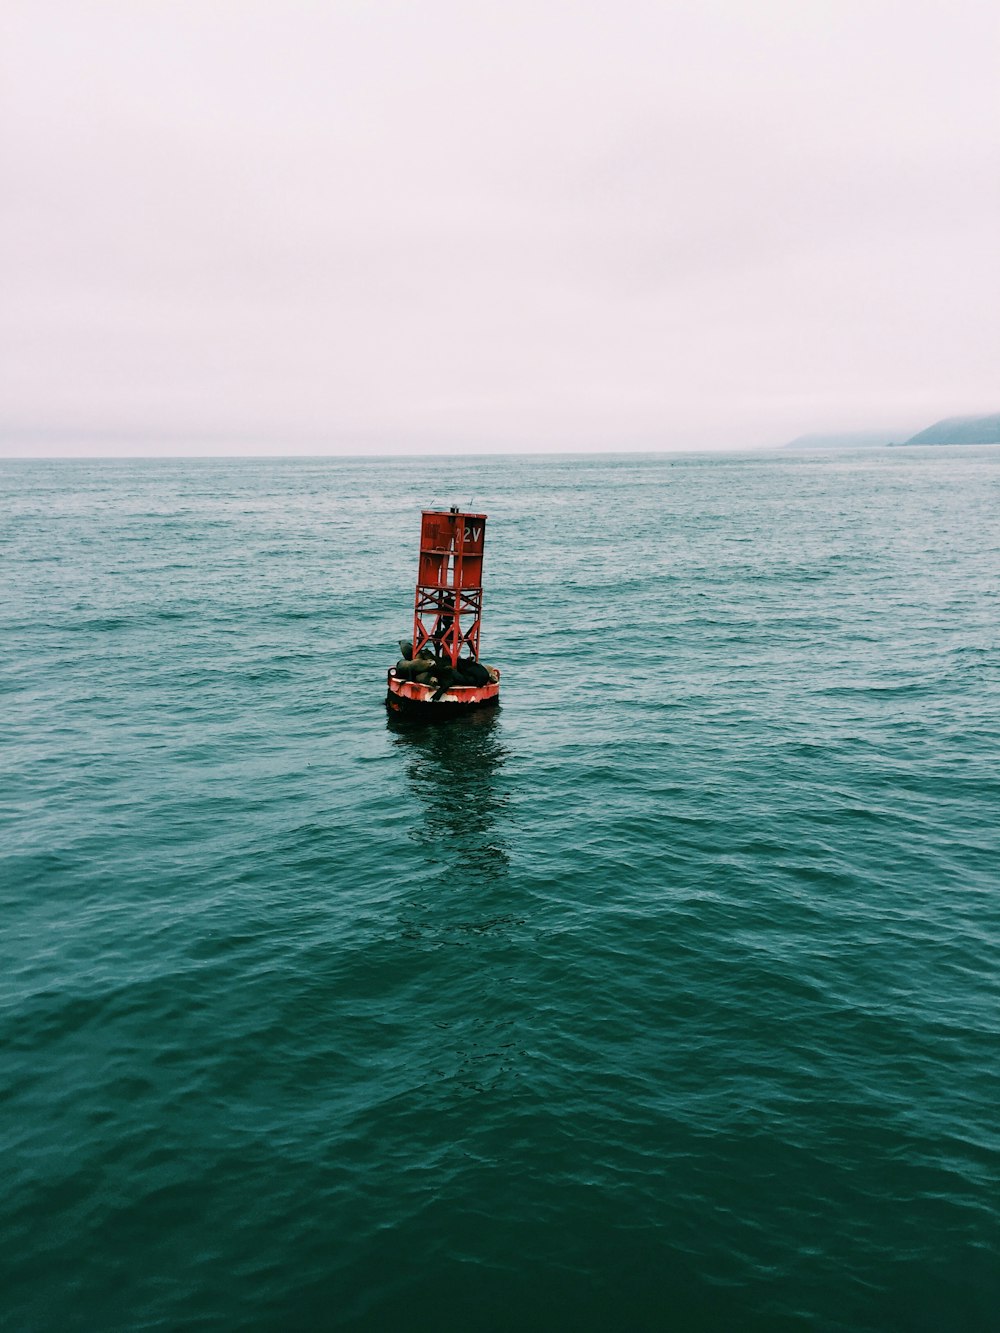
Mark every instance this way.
x=442 y=673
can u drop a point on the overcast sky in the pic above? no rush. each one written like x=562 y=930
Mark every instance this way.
x=289 y=226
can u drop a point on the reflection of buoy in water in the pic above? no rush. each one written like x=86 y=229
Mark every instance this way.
x=440 y=672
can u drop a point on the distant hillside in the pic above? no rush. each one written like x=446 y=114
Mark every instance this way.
x=961 y=430
x=848 y=439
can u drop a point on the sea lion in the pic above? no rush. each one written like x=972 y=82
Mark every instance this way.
x=409 y=668
x=474 y=673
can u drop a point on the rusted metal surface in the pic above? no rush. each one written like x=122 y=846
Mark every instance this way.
x=413 y=696
x=448 y=604
x=447 y=620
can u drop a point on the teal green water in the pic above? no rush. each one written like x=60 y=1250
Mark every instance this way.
x=664 y=998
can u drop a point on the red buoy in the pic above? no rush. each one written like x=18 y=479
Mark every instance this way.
x=441 y=673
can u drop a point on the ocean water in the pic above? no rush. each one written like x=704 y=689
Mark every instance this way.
x=666 y=997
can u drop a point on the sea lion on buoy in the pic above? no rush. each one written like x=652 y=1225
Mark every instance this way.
x=410 y=668
x=474 y=673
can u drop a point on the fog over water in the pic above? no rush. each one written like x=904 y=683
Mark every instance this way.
x=369 y=227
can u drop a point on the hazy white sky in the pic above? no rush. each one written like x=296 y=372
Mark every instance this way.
x=530 y=224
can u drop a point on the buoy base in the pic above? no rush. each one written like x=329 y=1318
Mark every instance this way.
x=410 y=696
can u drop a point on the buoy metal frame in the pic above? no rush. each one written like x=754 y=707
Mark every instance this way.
x=447 y=612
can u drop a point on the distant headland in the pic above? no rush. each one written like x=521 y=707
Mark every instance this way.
x=950 y=430
x=960 y=430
